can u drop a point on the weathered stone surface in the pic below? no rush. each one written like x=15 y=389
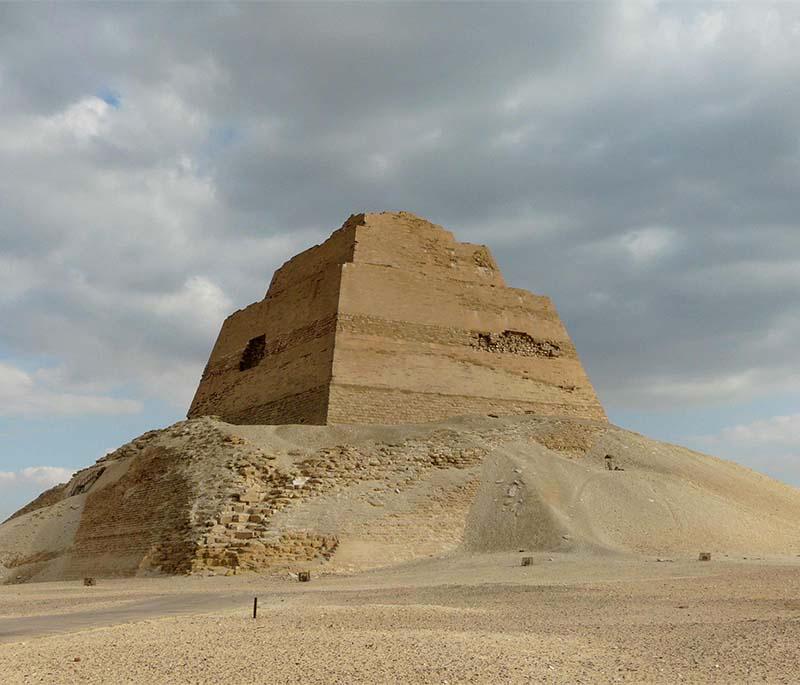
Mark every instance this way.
x=190 y=499
x=391 y=320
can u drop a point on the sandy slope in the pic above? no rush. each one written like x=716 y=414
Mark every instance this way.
x=385 y=495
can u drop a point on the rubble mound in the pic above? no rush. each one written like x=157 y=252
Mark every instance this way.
x=207 y=496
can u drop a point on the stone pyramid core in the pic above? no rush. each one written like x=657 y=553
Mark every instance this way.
x=390 y=320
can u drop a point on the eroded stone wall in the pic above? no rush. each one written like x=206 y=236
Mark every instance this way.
x=427 y=329
x=140 y=522
x=272 y=360
x=391 y=320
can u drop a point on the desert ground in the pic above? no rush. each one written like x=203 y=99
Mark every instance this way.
x=183 y=527
x=477 y=618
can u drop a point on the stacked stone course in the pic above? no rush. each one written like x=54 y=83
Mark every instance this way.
x=391 y=321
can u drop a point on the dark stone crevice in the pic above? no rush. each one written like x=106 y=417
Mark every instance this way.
x=255 y=351
x=516 y=342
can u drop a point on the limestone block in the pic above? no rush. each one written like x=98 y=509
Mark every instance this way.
x=249 y=496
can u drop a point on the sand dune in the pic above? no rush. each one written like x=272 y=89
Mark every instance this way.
x=205 y=496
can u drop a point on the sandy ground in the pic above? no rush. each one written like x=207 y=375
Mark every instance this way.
x=480 y=619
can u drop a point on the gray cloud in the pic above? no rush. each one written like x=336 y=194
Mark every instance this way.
x=639 y=163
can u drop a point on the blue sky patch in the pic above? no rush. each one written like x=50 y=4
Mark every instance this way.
x=110 y=97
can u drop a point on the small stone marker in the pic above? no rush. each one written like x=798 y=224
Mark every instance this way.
x=89 y=582
x=705 y=556
x=527 y=561
x=304 y=576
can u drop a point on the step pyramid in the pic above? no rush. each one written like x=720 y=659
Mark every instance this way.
x=389 y=321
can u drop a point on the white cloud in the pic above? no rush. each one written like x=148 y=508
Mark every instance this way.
x=25 y=394
x=697 y=387
x=112 y=256
x=46 y=475
x=77 y=124
x=778 y=431
x=639 y=247
x=771 y=445
x=654 y=31
x=650 y=243
x=21 y=486
x=699 y=390
x=200 y=301
x=84 y=120
x=35 y=476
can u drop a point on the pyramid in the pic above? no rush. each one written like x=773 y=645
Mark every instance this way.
x=493 y=438
x=391 y=320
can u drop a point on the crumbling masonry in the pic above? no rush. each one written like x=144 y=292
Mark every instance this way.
x=391 y=321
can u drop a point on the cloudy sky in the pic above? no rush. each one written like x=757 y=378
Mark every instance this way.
x=639 y=163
